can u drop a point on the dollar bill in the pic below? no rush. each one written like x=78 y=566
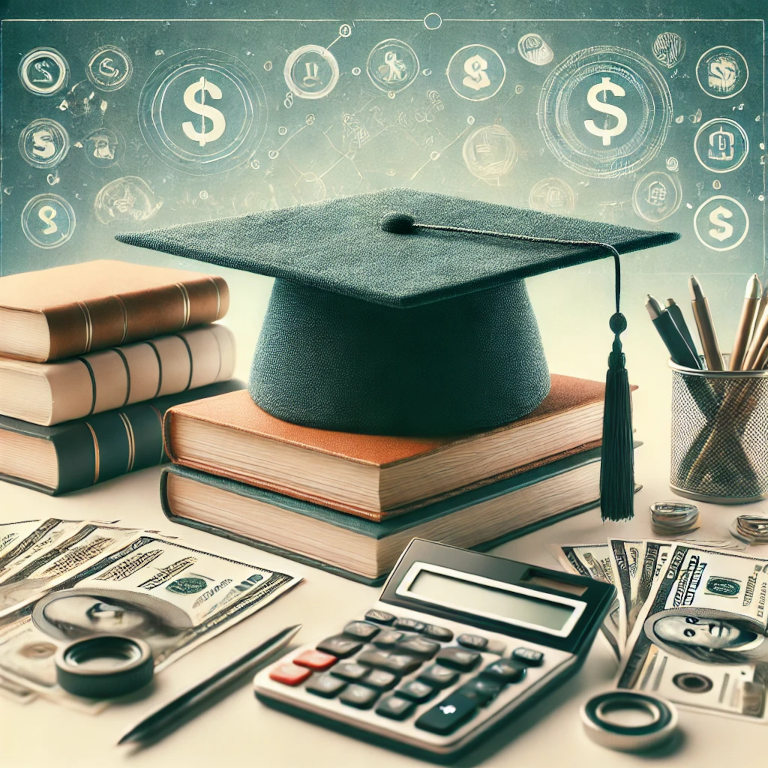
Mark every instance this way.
x=172 y=596
x=593 y=560
x=700 y=640
x=625 y=557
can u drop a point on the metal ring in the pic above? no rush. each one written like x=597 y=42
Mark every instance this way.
x=628 y=737
x=104 y=666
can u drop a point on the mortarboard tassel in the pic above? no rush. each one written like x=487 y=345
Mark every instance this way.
x=617 y=470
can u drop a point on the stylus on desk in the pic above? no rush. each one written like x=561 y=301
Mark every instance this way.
x=175 y=712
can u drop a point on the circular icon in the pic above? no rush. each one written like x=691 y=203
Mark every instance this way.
x=433 y=21
x=103 y=147
x=48 y=221
x=476 y=72
x=43 y=71
x=44 y=143
x=202 y=111
x=187 y=585
x=669 y=49
x=721 y=223
x=692 y=682
x=604 y=111
x=490 y=152
x=552 y=195
x=534 y=49
x=722 y=72
x=657 y=196
x=392 y=65
x=311 y=72
x=109 y=68
x=721 y=145
x=125 y=201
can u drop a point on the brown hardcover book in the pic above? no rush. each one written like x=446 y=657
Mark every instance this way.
x=65 y=311
x=374 y=476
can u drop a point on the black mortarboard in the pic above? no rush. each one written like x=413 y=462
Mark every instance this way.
x=401 y=312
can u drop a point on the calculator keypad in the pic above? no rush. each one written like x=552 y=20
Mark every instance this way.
x=427 y=678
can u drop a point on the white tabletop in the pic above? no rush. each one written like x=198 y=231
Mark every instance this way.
x=241 y=731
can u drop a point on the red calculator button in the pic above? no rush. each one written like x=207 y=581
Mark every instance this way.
x=289 y=674
x=315 y=659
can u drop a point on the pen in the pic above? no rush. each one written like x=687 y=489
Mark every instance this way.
x=759 y=337
x=706 y=327
x=677 y=315
x=746 y=323
x=670 y=335
x=172 y=714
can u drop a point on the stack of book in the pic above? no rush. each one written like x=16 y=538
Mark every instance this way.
x=91 y=357
x=350 y=503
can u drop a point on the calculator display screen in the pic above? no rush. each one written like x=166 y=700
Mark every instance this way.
x=484 y=599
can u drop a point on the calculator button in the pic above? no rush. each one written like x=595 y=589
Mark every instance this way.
x=325 y=685
x=398 y=663
x=410 y=624
x=528 y=656
x=416 y=691
x=388 y=638
x=318 y=660
x=477 y=642
x=380 y=617
x=458 y=658
x=438 y=633
x=439 y=677
x=481 y=690
x=289 y=674
x=505 y=671
x=348 y=670
x=448 y=715
x=360 y=630
x=395 y=708
x=340 y=646
x=359 y=696
x=424 y=649
x=380 y=680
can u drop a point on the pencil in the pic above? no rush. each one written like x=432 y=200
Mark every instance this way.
x=746 y=323
x=670 y=335
x=677 y=315
x=706 y=327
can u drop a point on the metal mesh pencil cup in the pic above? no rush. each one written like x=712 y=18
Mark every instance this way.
x=719 y=435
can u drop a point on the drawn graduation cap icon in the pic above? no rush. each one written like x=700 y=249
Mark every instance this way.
x=406 y=313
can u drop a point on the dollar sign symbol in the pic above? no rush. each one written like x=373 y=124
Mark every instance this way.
x=203 y=137
x=43 y=145
x=41 y=67
x=47 y=214
x=724 y=229
x=602 y=105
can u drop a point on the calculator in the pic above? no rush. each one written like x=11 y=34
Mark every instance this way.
x=457 y=643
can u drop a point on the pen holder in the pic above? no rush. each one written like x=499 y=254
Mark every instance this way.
x=719 y=435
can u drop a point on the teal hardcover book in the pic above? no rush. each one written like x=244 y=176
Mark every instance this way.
x=80 y=453
x=364 y=550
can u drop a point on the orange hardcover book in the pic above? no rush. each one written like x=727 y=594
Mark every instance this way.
x=376 y=476
x=65 y=311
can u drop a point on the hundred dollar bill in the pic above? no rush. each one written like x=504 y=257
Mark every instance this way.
x=624 y=557
x=67 y=555
x=170 y=595
x=701 y=639
x=593 y=560
x=44 y=537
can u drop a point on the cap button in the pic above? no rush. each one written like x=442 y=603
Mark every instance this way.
x=398 y=223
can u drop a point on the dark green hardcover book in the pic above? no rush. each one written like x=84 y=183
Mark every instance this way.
x=83 y=452
x=364 y=550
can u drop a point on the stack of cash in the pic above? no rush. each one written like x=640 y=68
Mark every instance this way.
x=672 y=517
x=690 y=621
x=107 y=578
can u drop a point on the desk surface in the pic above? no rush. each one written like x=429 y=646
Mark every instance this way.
x=240 y=729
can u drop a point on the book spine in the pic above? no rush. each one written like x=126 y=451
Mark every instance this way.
x=133 y=373
x=108 y=445
x=79 y=328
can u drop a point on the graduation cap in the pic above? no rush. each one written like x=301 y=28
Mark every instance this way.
x=405 y=313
